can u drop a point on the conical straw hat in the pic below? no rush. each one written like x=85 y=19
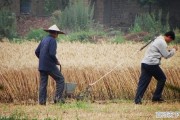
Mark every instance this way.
x=54 y=28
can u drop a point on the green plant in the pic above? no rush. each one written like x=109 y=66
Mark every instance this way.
x=177 y=40
x=7 y=24
x=136 y=28
x=150 y=23
x=36 y=34
x=16 y=115
x=52 y=5
x=18 y=40
x=177 y=33
x=83 y=36
x=75 y=17
x=118 y=39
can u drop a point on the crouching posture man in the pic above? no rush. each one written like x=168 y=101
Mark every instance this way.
x=150 y=67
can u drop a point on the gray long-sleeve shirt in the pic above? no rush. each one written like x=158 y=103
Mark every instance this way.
x=156 y=50
x=46 y=52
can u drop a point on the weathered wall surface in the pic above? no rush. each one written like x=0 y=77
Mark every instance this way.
x=99 y=9
x=115 y=13
x=174 y=13
x=36 y=7
x=121 y=13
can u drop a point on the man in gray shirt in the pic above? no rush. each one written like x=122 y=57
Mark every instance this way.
x=150 y=67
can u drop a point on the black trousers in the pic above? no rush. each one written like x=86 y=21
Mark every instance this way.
x=58 y=77
x=147 y=72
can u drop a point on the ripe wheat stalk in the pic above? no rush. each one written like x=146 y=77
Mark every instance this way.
x=82 y=64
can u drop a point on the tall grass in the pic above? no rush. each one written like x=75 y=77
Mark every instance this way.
x=151 y=23
x=76 y=16
x=7 y=24
x=52 y=5
x=82 y=64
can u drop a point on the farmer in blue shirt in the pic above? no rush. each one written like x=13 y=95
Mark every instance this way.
x=46 y=52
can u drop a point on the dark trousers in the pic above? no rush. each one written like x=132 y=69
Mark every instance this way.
x=147 y=72
x=58 y=77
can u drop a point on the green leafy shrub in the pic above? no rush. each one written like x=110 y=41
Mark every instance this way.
x=83 y=36
x=177 y=40
x=150 y=23
x=118 y=39
x=75 y=17
x=51 y=5
x=36 y=34
x=136 y=28
x=7 y=24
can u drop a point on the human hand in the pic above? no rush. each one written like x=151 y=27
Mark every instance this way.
x=58 y=63
x=60 y=67
x=175 y=47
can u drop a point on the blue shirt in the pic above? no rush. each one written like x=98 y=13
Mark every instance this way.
x=46 y=52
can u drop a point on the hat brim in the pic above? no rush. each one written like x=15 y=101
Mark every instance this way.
x=59 y=32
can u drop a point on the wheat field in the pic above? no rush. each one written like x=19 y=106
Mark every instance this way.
x=82 y=64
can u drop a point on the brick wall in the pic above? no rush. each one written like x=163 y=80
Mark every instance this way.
x=15 y=7
x=174 y=13
x=110 y=12
x=121 y=13
x=99 y=9
x=37 y=8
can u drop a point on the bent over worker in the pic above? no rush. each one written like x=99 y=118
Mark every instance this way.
x=150 y=67
x=46 y=52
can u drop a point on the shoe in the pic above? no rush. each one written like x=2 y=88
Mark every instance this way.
x=138 y=103
x=62 y=101
x=159 y=100
x=42 y=103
